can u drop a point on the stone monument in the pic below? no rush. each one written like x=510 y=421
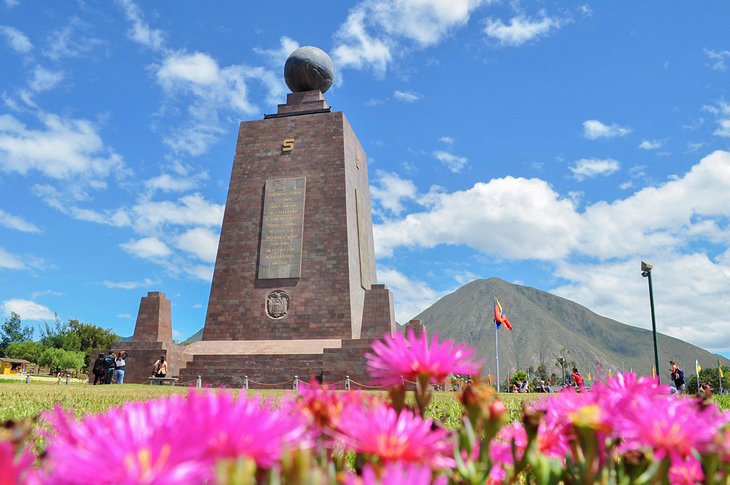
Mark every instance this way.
x=294 y=288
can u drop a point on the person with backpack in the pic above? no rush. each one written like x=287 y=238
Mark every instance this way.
x=678 y=385
x=109 y=366
x=98 y=370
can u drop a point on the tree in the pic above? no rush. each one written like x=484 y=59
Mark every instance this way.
x=60 y=359
x=27 y=350
x=78 y=336
x=711 y=376
x=542 y=372
x=13 y=331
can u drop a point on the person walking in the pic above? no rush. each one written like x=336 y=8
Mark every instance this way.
x=678 y=384
x=119 y=366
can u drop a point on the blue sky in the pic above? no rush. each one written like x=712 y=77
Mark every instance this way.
x=552 y=144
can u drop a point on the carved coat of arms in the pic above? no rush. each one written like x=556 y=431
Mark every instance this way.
x=277 y=304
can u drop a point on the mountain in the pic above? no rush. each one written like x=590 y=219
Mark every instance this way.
x=547 y=326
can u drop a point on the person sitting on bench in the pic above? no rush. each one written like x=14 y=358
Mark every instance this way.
x=160 y=367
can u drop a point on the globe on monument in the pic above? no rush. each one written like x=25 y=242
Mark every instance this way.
x=308 y=69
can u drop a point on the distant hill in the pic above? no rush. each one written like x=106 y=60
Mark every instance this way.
x=547 y=326
x=194 y=338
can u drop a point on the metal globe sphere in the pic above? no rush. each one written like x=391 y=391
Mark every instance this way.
x=309 y=68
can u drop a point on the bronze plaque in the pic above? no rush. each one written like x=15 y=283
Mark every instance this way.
x=363 y=240
x=282 y=227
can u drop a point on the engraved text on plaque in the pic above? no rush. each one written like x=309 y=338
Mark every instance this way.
x=281 y=230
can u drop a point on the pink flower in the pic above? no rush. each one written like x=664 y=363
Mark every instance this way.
x=688 y=472
x=170 y=440
x=243 y=427
x=382 y=433
x=397 y=473
x=396 y=357
x=14 y=468
x=322 y=407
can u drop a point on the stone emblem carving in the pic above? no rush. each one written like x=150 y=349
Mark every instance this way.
x=277 y=304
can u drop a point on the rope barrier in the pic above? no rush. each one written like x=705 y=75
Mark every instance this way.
x=352 y=381
x=251 y=381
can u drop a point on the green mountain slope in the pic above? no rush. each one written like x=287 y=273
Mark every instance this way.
x=547 y=326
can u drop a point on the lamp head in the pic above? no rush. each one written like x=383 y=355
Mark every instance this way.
x=646 y=267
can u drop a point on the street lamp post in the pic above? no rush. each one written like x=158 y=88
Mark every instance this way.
x=646 y=273
x=561 y=359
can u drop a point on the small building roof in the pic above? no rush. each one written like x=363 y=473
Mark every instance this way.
x=14 y=361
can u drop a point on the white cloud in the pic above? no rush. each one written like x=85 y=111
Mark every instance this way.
x=455 y=163
x=412 y=296
x=447 y=139
x=392 y=191
x=406 y=96
x=43 y=79
x=15 y=39
x=71 y=41
x=724 y=129
x=147 y=248
x=12 y=3
x=140 y=31
x=126 y=316
x=521 y=29
x=199 y=241
x=277 y=57
x=10 y=261
x=593 y=129
x=129 y=285
x=18 y=223
x=214 y=91
x=27 y=309
x=64 y=149
x=651 y=144
x=375 y=29
x=189 y=210
x=515 y=218
x=718 y=58
x=170 y=183
x=592 y=167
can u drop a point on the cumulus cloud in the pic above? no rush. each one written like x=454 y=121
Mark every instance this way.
x=406 y=96
x=592 y=167
x=129 y=285
x=593 y=129
x=521 y=29
x=717 y=59
x=71 y=41
x=455 y=163
x=15 y=39
x=18 y=223
x=651 y=144
x=45 y=79
x=375 y=29
x=175 y=183
x=199 y=241
x=27 y=309
x=140 y=31
x=515 y=218
x=10 y=261
x=413 y=296
x=391 y=191
x=63 y=149
x=147 y=248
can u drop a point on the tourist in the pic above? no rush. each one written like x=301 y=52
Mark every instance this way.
x=577 y=379
x=109 y=365
x=677 y=378
x=160 y=367
x=98 y=369
x=119 y=367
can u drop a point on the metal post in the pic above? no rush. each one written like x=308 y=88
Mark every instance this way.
x=347 y=383
x=245 y=382
x=295 y=386
x=646 y=272
x=496 y=347
x=199 y=382
x=68 y=379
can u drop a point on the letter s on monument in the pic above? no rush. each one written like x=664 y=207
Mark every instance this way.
x=287 y=145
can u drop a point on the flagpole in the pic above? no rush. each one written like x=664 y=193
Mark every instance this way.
x=697 y=371
x=719 y=374
x=496 y=345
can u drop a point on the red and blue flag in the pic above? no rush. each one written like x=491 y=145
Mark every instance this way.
x=499 y=316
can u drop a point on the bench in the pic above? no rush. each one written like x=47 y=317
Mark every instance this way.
x=163 y=380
